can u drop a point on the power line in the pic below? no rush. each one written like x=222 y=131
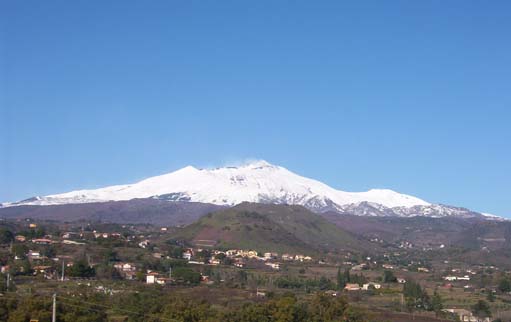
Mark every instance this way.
x=60 y=297
x=117 y=309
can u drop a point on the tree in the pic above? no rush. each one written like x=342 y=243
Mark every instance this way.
x=505 y=285
x=389 y=277
x=325 y=284
x=110 y=255
x=107 y=271
x=187 y=275
x=20 y=250
x=81 y=269
x=416 y=296
x=481 y=309
x=341 y=282
x=6 y=236
x=491 y=296
x=48 y=251
x=437 y=303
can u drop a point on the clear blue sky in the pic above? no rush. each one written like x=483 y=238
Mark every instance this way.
x=413 y=96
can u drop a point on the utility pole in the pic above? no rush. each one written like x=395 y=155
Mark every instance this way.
x=54 y=315
x=170 y=271
x=8 y=280
x=63 y=269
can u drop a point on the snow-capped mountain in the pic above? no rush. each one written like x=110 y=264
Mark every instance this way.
x=259 y=182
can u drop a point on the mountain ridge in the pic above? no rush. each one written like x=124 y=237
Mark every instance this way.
x=257 y=182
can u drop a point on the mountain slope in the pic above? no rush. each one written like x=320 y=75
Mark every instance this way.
x=258 y=182
x=262 y=227
x=135 y=211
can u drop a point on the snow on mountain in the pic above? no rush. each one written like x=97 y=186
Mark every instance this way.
x=257 y=181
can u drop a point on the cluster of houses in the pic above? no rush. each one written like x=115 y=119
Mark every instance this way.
x=238 y=257
x=126 y=270
x=457 y=278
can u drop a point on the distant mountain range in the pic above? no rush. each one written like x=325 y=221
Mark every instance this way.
x=256 y=182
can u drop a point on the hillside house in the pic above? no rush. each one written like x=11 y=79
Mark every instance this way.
x=125 y=267
x=287 y=257
x=46 y=271
x=144 y=244
x=130 y=275
x=157 y=255
x=187 y=255
x=231 y=252
x=70 y=234
x=352 y=287
x=20 y=238
x=151 y=277
x=275 y=266
x=41 y=241
x=303 y=258
x=268 y=255
x=367 y=286
x=163 y=280
x=32 y=254
x=466 y=315
x=359 y=267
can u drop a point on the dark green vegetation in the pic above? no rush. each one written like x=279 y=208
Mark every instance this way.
x=270 y=228
x=156 y=306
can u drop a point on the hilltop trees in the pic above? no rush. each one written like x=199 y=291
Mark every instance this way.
x=81 y=269
x=505 y=285
x=345 y=277
x=481 y=309
x=389 y=277
x=6 y=236
x=437 y=303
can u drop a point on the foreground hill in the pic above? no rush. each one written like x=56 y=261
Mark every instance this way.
x=279 y=228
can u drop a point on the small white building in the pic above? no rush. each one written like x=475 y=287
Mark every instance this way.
x=352 y=287
x=32 y=254
x=151 y=278
x=187 y=255
x=275 y=266
x=367 y=286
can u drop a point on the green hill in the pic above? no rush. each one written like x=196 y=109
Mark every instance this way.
x=279 y=228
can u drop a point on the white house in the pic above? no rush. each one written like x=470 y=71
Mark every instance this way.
x=150 y=278
x=352 y=287
x=275 y=266
x=366 y=286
